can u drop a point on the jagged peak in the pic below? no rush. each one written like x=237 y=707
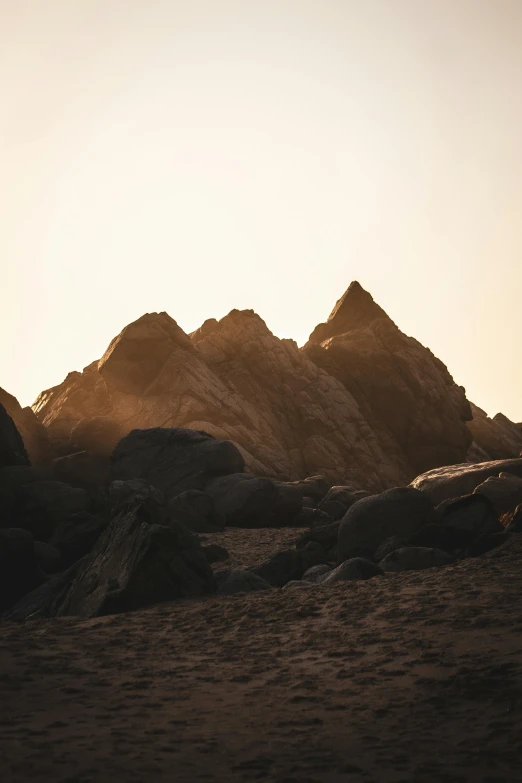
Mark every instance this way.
x=354 y=310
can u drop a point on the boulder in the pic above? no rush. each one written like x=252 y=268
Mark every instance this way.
x=311 y=517
x=135 y=563
x=387 y=546
x=215 y=553
x=397 y=512
x=76 y=536
x=48 y=557
x=315 y=573
x=326 y=535
x=355 y=569
x=504 y=491
x=19 y=572
x=467 y=518
x=453 y=481
x=288 y=565
x=415 y=558
x=486 y=543
x=196 y=510
x=244 y=500
x=174 y=460
x=236 y=580
x=339 y=499
x=82 y=469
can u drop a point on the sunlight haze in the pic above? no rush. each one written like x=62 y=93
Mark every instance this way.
x=196 y=157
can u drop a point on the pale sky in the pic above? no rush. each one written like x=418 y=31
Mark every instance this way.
x=199 y=155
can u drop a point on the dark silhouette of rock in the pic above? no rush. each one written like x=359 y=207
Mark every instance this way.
x=215 y=553
x=234 y=581
x=82 y=469
x=97 y=436
x=326 y=535
x=137 y=562
x=397 y=512
x=76 y=536
x=388 y=546
x=339 y=499
x=40 y=603
x=486 y=543
x=133 y=489
x=19 y=572
x=352 y=570
x=288 y=565
x=467 y=518
x=48 y=557
x=454 y=481
x=33 y=502
x=415 y=558
x=315 y=573
x=34 y=435
x=196 y=510
x=174 y=460
x=12 y=449
x=244 y=500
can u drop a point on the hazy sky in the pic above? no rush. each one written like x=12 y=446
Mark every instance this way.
x=199 y=155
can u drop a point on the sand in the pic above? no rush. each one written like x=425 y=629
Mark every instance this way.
x=406 y=678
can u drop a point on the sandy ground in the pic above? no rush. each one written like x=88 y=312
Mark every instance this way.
x=403 y=679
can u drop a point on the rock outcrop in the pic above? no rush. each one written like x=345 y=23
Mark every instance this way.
x=496 y=438
x=361 y=404
x=454 y=481
x=34 y=435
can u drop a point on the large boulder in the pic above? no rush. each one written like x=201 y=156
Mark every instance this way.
x=174 y=460
x=19 y=571
x=397 y=512
x=137 y=562
x=244 y=500
x=196 y=510
x=454 y=481
x=288 y=565
x=467 y=518
x=414 y=558
x=339 y=499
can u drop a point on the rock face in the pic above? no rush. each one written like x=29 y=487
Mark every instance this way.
x=12 y=450
x=361 y=404
x=404 y=392
x=496 y=438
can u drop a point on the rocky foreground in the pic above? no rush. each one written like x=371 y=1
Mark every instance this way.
x=408 y=677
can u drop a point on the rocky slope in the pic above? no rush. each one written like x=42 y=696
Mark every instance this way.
x=361 y=403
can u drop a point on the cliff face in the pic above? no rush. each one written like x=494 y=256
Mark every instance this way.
x=496 y=438
x=361 y=402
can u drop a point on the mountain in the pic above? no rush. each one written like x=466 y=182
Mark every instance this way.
x=361 y=402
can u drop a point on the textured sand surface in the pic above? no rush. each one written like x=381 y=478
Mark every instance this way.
x=407 y=678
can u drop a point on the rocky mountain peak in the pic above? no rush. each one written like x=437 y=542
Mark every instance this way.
x=354 y=310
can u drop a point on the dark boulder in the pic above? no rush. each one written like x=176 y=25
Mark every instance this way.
x=215 y=553
x=397 y=512
x=326 y=535
x=48 y=557
x=504 y=491
x=122 y=492
x=339 y=499
x=467 y=518
x=135 y=563
x=289 y=564
x=244 y=500
x=174 y=460
x=196 y=510
x=486 y=543
x=76 y=536
x=234 y=581
x=415 y=558
x=81 y=469
x=354 y=569
x=316 y=573
x=387 y=546
x=19 y=572
x=311 y=517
